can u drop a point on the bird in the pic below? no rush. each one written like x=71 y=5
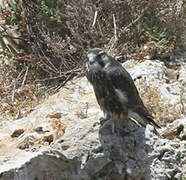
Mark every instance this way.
x=115 y=90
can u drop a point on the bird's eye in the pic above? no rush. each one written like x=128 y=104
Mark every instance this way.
x=100 y=58
x=101 y=54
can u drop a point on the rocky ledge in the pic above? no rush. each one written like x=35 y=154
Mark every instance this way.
x=63 y=139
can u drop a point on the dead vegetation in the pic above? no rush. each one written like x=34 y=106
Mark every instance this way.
x=44 y=41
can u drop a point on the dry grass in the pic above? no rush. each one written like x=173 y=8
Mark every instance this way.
x=18 y=92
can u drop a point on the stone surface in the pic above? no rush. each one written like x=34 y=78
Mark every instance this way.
x=90 y=151
x=63 y=138
x=175 y=130
x=17 y=132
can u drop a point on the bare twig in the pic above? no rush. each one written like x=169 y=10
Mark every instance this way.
x=56 y=88
x=100 y=28
x=113 y=39
x=24 y=79
x=64 y=82
x=11 y=37
x=95 y=17
x=62 y=75
x=2 y=32
x=15 y=82
x=115 y=30
x=52 y=67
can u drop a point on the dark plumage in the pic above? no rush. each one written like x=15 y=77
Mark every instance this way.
x=115 y=90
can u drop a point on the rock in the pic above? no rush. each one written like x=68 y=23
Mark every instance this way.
x=172 y=74
x=39 y=129
x=176 y=129
x=76 y=146
x=27 y=142
x=49 y=138
x=17 y=133
x=54 y=115
x=162 y=97
x=95 y=153
x=183 y=134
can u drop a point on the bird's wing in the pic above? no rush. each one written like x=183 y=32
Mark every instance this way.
x=143 y=117
x=121 y=82
x=124 y=87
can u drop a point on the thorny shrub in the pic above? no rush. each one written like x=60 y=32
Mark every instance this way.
x=47 y=39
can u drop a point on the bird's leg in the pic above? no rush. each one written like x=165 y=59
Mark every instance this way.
x=121 y=127
x=113 y=128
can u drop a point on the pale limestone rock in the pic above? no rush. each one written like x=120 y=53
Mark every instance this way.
x=83 y=149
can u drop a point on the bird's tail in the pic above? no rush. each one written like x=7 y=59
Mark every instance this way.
x=142 y=116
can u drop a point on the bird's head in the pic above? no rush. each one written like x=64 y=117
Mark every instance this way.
x=97 y=58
